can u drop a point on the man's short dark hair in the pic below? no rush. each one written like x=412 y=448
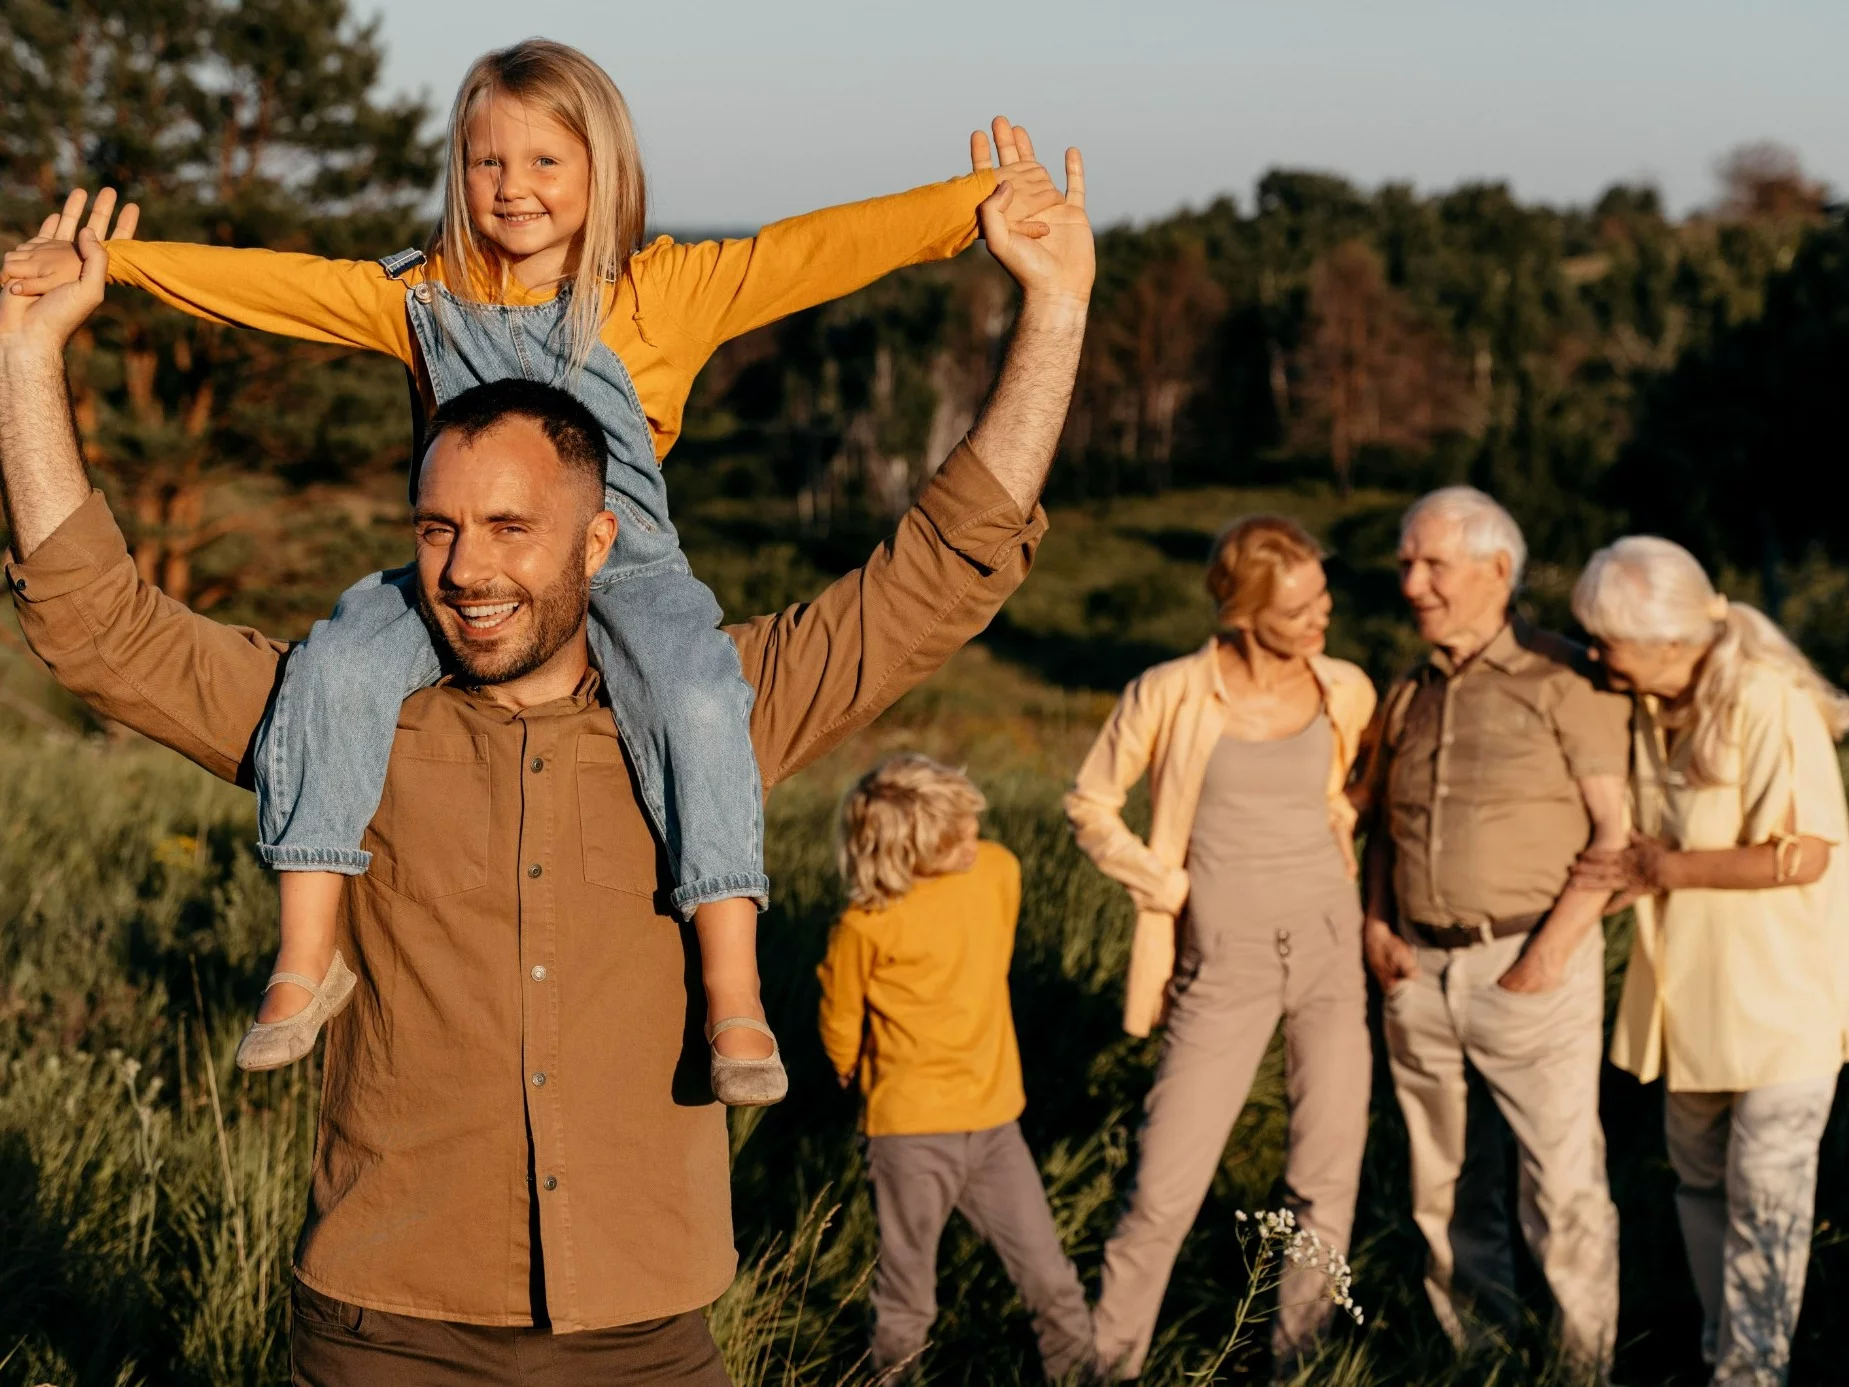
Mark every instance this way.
x=566 y=421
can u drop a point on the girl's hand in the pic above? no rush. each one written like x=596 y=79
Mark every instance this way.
x=1033 y=185
x=37 y=326
x=50 y=259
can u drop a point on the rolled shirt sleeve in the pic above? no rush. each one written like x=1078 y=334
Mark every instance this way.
x=826 y=668
x=1594 y=727
x=137 y=656
x=1094 y=807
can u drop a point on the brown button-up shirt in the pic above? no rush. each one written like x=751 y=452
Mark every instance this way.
x=1480 y=767
x=524 y=1047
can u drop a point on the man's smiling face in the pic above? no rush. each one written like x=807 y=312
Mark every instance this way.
x=508 y=537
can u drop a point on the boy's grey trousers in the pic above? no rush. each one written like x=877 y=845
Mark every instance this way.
x=989 y=1176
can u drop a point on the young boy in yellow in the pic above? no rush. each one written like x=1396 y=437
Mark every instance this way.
x=915 y=1000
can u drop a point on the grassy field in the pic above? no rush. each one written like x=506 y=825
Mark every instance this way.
x=150 y=1193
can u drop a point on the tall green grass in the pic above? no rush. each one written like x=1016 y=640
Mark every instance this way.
x=150 y=1193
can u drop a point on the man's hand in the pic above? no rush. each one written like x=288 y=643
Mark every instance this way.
x=39 y=326
x=1018 y=431
x=50 y=259
x=1389 y=958
x=1058 y=265
x=1033 y=186
x=1540 y=968
x=40 y=465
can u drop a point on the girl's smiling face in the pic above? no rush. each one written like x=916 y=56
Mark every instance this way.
x=528 y=188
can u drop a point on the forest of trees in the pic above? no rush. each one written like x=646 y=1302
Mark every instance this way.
x=1596 y=368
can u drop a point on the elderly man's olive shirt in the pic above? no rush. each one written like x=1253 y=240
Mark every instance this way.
x=1479 y=767
x=519 y=969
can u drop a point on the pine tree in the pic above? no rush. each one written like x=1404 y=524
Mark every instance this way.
x=232 y=122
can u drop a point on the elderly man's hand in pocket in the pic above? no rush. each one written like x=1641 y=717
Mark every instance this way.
x=1389 y=958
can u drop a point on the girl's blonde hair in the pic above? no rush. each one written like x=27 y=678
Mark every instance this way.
x=1655 y=592
x=1248 y=559
x=580 y=96
x=897 y=823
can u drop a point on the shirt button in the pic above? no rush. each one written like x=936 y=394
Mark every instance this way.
x=539 y=972
x=539 y=1079
x=537 y=764
x=534 y=870
x=551 y=1182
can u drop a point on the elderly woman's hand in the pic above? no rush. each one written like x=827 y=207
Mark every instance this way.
x=1640 y=868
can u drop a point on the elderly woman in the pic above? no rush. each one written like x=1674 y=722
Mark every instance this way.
x=1247 y=745
x=1739 y=975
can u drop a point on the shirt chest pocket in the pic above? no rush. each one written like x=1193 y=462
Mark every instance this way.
x=620 y=852
x=1506 y=747
x=430 y=838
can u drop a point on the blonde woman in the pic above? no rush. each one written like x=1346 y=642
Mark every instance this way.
x=915 y=1002
x=1737 y=984
x=1247 y=745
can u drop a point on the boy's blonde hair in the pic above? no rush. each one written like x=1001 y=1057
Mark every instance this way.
x=580 y=96
x=897 y=823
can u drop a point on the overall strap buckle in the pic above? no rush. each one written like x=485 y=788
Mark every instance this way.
x=399 y=261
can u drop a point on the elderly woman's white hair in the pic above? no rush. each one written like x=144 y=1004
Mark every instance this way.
x=1486 y=528
x=1654 y=592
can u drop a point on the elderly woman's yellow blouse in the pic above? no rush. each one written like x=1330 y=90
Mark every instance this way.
x=1733 y=990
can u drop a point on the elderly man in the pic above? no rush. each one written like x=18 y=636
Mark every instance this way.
x=1496 y=763
x=520 y=1175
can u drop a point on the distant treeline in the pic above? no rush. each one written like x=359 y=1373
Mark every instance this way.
x=1598 y=369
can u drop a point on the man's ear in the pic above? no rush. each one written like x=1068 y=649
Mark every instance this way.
x=599 y=539
x=1505 y=570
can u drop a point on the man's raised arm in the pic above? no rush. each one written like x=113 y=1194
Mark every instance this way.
x=118 y=643
x=826 y=668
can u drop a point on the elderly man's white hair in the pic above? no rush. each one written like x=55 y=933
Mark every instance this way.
x=1487 y=529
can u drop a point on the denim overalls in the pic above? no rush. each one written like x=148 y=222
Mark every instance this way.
x=681 y=702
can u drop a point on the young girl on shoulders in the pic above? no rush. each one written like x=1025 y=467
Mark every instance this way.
x=537 y=269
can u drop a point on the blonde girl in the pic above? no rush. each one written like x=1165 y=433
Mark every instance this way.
x=537 y=269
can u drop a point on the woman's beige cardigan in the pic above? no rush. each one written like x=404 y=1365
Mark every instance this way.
x=1167 y=724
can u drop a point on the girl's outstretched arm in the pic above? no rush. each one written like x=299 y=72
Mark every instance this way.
x=346 y=303
x=717 y=290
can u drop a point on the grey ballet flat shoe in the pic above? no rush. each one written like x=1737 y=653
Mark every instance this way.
x=272 y=1044
x=748 y=1083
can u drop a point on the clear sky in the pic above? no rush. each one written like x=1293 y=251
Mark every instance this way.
x=752 y=111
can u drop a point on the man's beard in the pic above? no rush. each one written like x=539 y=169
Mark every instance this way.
x=558 y=613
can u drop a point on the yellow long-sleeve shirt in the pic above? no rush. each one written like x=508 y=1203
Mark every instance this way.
x=916 y=998
x=673 y=309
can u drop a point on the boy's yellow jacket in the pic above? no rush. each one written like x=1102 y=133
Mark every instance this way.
x=916 y=998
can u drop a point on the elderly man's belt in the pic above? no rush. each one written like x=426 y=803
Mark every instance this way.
x=1467 y=936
